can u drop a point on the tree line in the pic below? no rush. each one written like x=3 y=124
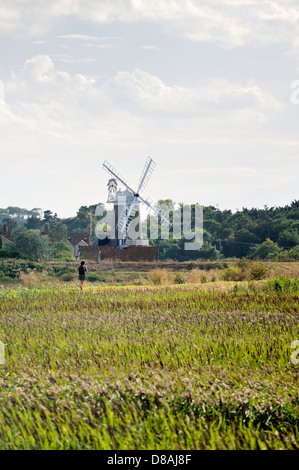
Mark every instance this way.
x=271 y=233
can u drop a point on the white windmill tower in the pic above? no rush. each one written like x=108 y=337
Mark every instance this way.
x=127 y=204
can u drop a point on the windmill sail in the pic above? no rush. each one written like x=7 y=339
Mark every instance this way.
x=109 y=168
x=164 y=216
x=127 y=215
x=146 y=174
x=131 y=203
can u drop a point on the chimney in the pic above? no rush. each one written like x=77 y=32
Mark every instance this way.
x=5 y=229
x=47 y=228
x=89 y=234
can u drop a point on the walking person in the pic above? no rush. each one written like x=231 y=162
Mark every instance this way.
x=82 y=270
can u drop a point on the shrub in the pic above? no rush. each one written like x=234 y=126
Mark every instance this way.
x=12 y=268
x=284 y=285
x=65 y=256
x=232 y=273
x=251 y=270
x=294 y=253
x=30 y=243
x=267 y=250
x=258 y=271
x=179 y=278
x=12 y=254
x=4 y=278
x=159 y=277
x=92 y=277
x=61 y=271
x=245 y=270
x=66 y=277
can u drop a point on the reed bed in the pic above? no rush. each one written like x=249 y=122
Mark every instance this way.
x=167 y=367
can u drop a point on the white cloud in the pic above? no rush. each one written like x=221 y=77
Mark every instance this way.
x=84 y=37
x=150 y=48
x=225 y=22
x=150 y=93
x=40 y=81
x=44 y=102
x=10 y=17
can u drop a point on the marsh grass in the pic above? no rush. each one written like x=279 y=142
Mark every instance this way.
x=197 y=276
x=166 y=367
x=160 y=277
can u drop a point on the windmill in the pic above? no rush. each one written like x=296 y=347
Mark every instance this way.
x=131 y=203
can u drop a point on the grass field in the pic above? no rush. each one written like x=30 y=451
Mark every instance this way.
x=169 y=367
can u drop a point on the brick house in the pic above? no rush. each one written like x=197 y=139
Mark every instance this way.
x=76 y=240
x=6 y=235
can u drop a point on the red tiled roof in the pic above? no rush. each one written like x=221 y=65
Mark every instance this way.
x=75 y=237
x=7 y=238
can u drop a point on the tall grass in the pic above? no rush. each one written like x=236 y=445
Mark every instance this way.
x=166 y=367
x=160 y=277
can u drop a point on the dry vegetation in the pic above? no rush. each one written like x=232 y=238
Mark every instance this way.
x=167 y=367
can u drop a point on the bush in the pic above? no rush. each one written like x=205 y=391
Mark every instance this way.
x=12 y=268
x=64 y=256
x=245 y=270
x=12 y=254
x=267 y=250
x=251 y=270
x=159 y=277
x=284 y=285
x=232 y=273
x=179 y=278
x=32 y=244
x=258 y=271
x=92 y=277
x=61 y=270
x=294 y=253
x=66 y=277
x=4 y=278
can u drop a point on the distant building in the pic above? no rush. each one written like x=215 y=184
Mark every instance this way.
x=6 y=235
x=76 y=240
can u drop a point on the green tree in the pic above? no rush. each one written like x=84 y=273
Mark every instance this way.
x=49 y=217
x=58 y=231
x=208 y=252
x=267 y=250
x=10 y=223
x=294 y=252
x=32 y=244
x=62 y=251
x=288 y=238
x=33 y=222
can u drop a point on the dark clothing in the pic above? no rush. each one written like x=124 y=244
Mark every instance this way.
x=82 y=271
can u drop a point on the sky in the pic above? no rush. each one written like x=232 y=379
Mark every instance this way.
x=208 y=89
